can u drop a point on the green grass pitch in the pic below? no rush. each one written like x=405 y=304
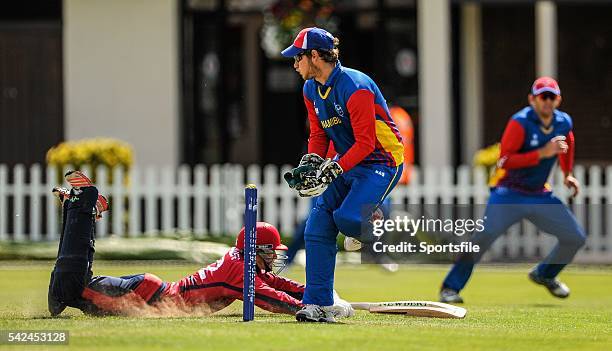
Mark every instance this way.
x=505 y=312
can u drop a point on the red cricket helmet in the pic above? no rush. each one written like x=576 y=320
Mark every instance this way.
x=268 y=246
x=267 y=238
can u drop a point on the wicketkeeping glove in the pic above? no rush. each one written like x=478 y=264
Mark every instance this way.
x=328 y=171
x=312 y=160
x=305 y=172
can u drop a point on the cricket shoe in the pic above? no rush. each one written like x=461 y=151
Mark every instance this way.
x=77 y=179
x=101 y=206
x=352 y=244
x=448 y=295
x=555 y=287
x=61 y=193
x=316 y=313
x=54 y=305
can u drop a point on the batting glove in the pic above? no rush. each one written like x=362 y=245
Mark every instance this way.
x=341 y=308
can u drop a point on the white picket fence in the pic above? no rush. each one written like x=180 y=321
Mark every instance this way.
x=209 y=201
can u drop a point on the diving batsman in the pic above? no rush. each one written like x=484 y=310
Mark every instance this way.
x=347 y=108
x=213 y=287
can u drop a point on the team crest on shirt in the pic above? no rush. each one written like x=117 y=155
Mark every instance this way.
x=339 y=109
x=534 y=140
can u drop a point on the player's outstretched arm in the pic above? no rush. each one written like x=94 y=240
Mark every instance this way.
x=291 y=287
x=274 y=300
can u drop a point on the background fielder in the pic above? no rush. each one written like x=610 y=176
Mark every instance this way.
x=534 y=139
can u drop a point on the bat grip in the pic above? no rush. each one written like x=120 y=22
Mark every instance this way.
x=361 y=305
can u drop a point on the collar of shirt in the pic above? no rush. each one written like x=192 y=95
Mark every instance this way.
x=534 y=117
x=334 y=75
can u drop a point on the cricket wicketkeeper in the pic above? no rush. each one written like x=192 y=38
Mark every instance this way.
x=216 y=286
x=345 y=107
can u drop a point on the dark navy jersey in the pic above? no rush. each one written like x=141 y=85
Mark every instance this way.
x=519 y=165
x=350 y=111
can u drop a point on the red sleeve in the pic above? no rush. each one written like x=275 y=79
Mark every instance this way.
x=566 y=160
x=511 y=143
x=331 y=152
x=361 y=110
x=291 y=287
x=318 y=141
x=274 y=300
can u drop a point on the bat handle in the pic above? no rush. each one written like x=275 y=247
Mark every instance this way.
x=361 y=305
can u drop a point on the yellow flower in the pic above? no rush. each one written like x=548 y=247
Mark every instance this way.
x=92 y=152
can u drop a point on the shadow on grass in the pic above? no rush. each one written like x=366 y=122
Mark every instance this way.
x=40 y=317
x=310 y=323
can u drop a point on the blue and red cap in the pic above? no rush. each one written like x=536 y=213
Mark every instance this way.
x=545 y=84
x=310 y=38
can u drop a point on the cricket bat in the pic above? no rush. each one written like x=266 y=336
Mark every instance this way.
x=413 y=308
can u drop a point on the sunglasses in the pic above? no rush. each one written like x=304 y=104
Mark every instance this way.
x=299 y=56
x=547 y=96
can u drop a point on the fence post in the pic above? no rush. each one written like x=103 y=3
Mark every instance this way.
x=288 y=218
x=35 y=198
x=430 y=177
x=134 y=203
x=215 y=200
x=168 y=188
x=269 y=195
x=151 y=192
x=18 y=202
x=594 y=193
x=102 y=185
x=184 y=190
x=200 y=204
x=118 y=204
x=234 y=204
x=415 y=192
x=462 y=190
x=579 y=207
x=446 y=193
x=52 y=205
